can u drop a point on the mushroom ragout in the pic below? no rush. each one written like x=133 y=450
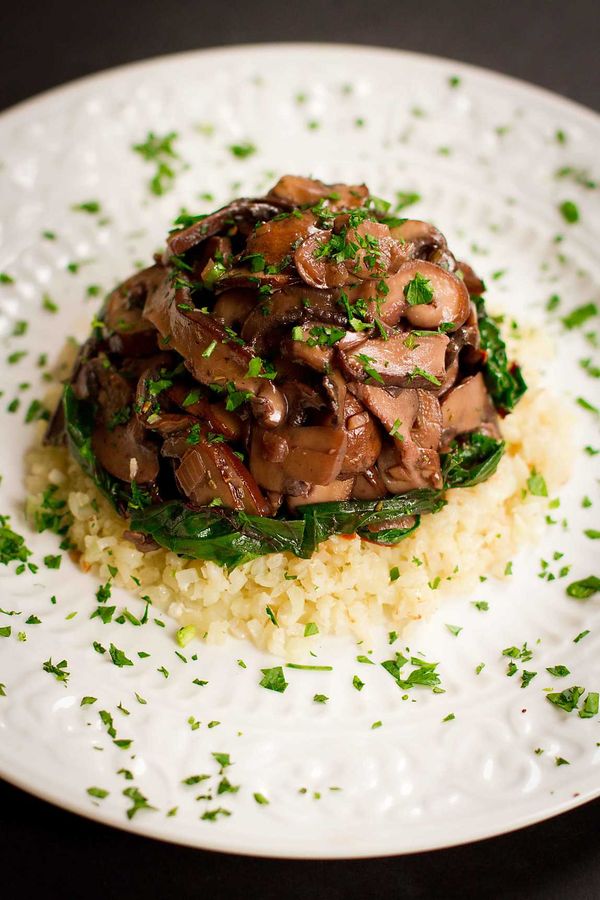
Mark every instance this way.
x=291 y=367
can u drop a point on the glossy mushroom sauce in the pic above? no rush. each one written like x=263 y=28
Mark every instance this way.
x=286 y=352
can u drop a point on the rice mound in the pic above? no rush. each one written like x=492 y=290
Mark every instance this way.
x=345 y=587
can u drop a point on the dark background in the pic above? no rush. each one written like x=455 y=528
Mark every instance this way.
x=43 y=44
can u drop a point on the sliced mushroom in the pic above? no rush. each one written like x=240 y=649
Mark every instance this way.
x=240 y=277
x=241 y=213
x=402 y=360
x=364 y=442
x=336 y=390
x=424 y=241
x=370 y=254
x=473 y=282
x=449 y=304
x=130 y=333
x=406 y=467
x=468 y=407
x=125 y=452
x=209 y=472
x=275 y=241
x=310 y=454
x=304 y=348
x=338 y=490
x=299 y=191
x=369 y=485
x=264 y=326
x=302 y=400
x=234 y=306
x=218 y=419
x=212 y=355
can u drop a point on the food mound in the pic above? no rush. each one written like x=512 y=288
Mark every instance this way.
x=291 y=367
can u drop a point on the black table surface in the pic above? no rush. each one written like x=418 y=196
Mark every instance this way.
x=43 y=44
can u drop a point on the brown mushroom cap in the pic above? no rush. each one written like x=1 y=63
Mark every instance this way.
x=450 y=304
x=467 y=407
x=209 y=471
x=402 y=360
x=299 y=191
x=242 y=213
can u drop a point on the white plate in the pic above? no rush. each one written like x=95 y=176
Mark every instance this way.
x=483 y=156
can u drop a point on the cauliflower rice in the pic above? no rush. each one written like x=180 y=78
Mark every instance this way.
x=345 y=587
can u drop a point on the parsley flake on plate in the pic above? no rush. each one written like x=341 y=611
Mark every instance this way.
x=273 y=679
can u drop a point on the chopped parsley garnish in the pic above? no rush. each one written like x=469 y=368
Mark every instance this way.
x=579 y=316
x=138 y=800
x=243 y=150
x=358 y=684
x=423 y=674
x=118 y=657
x=585 y=588
x=223 y=759
x=569 y=211
x=368 y=368
x=454 y=629
x=260 y=798
x=310 y=628
x=418 y=291
x=308 y=668
x=89 y=206
x=590 y=706
x=211 y=815
x=558 y=671
x=537 y=484
x=235 y=398
x=159 y=151
x=581 y=636
x=567 y=699
x=97 y=792
x=273 y=679
x=59 y=670
x=320 y=698
x=53 y=562
x=527 y=677
x=418 y=371
x=12 y=545
x=406 y=198
x=271 y=615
